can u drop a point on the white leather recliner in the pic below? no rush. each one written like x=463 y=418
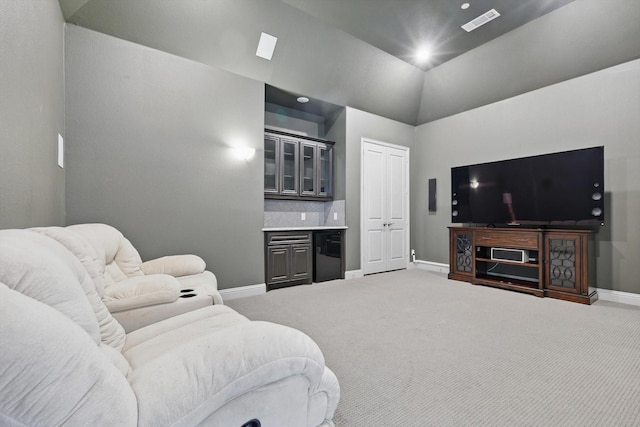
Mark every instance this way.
x=66 y=361
x=141 y=293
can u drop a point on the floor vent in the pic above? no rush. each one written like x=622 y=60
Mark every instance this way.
x=481 y=20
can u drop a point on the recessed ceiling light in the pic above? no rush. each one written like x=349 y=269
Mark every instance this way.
x=464 y=6
x=303 y=99
x=423 y=54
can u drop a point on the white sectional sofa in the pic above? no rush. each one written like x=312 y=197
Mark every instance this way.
x=66 y=360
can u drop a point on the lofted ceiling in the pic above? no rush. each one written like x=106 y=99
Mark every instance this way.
x=360 y=53
x=400 y=27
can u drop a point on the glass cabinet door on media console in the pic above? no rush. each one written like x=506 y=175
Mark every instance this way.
x=566 y=263
x=461 y=251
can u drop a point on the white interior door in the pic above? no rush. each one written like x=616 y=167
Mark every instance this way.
x=385 y=207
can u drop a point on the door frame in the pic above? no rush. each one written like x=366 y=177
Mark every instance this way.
x=407 y=202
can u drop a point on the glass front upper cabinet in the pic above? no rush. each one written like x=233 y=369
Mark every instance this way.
x=289 y=184
x=308 y=169
x=271 y=162
x=325 y=166
x=297 y=167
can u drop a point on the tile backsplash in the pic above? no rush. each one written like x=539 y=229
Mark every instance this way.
x=288 y=213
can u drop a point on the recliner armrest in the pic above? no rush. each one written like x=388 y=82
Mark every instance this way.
x=141 y=291
x=224 y=364
x=174 y=265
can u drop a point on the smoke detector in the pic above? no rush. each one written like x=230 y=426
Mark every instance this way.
x=480 y=20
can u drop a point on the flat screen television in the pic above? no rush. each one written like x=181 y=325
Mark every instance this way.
x=565 y=188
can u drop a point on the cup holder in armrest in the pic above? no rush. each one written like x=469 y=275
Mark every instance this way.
x=186 y=290
x=187 y=295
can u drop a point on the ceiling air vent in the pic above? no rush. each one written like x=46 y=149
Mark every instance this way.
x=481 y=20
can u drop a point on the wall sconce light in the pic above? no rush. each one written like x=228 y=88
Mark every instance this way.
x=245 y=153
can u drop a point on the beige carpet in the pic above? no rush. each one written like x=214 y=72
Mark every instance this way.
x=411 y=348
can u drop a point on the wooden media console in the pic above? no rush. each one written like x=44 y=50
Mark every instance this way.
x=554 y=263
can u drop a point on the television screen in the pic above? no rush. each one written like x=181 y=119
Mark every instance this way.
x=561 y=188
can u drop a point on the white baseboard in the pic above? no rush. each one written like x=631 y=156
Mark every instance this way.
x=603 y=294
x=243 y=291
x=353 y=274
x=617 y=296
x=259 y=289
x=430 y=266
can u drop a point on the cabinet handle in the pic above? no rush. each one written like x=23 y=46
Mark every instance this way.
x=486 y=238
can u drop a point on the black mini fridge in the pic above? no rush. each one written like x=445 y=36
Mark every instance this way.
x=328 y=255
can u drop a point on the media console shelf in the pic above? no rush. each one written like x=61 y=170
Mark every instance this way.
x=543 y=262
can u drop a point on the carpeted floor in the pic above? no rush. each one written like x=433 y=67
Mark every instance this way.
x=411 y=348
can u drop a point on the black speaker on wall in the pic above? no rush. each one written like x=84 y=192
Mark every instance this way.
x=432 y=195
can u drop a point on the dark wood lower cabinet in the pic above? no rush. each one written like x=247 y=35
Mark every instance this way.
x=289 y=258
x=543 y=262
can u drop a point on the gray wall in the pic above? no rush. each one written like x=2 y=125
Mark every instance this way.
x=31 y=113
x=601 y=108
x=581 y=37
x=149 y=134
x=298 y=122
x=360 y=124
x=150 y=150
x=325 y=63
x=310 y=58
x=337 y=133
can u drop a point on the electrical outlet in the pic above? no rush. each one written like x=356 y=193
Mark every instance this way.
x=335 y=215
x=303 y=216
